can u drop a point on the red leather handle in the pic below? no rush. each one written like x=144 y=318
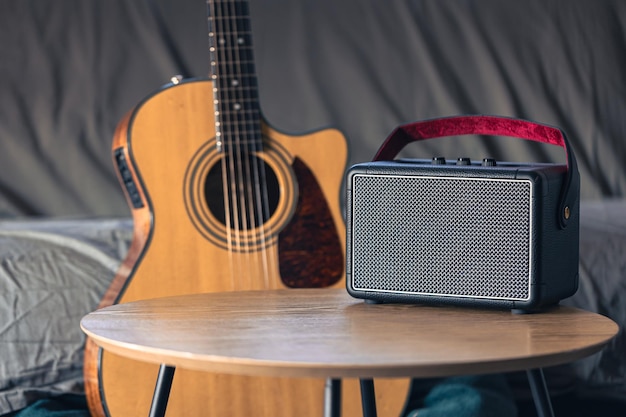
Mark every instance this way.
x=467 y=125
x=493 y=126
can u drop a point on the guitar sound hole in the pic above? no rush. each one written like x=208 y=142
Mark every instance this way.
x=248 y=190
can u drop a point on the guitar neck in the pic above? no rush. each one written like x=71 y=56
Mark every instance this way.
x=236 y=98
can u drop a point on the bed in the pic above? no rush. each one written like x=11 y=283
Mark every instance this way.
x=70 y=70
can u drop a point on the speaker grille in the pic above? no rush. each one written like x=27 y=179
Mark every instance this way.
x=442 y=236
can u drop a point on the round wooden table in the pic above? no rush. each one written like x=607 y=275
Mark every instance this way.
x=326 y=333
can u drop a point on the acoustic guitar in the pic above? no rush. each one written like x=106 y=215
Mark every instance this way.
x=221 y=201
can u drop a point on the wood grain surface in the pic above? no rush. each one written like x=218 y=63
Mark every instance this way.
x=326 y=333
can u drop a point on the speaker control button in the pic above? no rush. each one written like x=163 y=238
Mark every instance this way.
x=489 y=162
x=438 y=160
x=463 y=161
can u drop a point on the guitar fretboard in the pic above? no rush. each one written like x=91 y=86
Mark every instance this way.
x=236 y=100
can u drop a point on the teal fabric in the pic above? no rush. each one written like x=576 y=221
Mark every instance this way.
x=468 y=396
x=69 y=405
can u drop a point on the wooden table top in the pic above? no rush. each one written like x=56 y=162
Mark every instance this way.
x=327 y=333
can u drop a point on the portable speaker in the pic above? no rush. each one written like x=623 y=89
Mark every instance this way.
x=479 y=233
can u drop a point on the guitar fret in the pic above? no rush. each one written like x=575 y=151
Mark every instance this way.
x=230 y=122
x=231 y=96
x=225 y=90
x=225 y=112
x=227 y=117
x=247 y=62
x=245 y=100
x=245 y=68
x=229 y=18
x=240 y=144
x=245 y=124
x=246 y=92
x=243 y=127
x=236 y=50
x=247 y=136
x=240 y=80
x=236 y=67
x=234 y=40
x=235 y=33
x=250 y=146
x=235 y=96
x=224 y=61
x=234 y=85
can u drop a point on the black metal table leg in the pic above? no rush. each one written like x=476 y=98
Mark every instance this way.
x=162 y=391
x=540 y=393
x=332 y=398
x=368 y=397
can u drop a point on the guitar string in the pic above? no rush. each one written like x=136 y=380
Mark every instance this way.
x=244 y=180
x=238 y=116
x=234 y=137
x=214 y=13
x=257 y=187
x=248 y=115
x=236 y=156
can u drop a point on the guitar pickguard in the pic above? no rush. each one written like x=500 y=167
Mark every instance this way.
x=310 y=250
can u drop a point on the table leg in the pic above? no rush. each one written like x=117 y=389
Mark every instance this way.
x=332 y=398
x=540 y=393
x=162 y=391
x=368 y=397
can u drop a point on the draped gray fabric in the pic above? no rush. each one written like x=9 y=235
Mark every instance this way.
x=70 y=69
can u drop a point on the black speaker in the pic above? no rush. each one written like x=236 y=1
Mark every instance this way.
x=457 y=231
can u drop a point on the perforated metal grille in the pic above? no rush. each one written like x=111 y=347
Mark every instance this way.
x=442 y=236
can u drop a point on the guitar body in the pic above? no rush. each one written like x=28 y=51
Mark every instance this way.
x=166 y=151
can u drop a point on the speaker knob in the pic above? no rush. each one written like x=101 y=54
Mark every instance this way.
x=489 y=162
x=463 y=161
x=438 y=160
